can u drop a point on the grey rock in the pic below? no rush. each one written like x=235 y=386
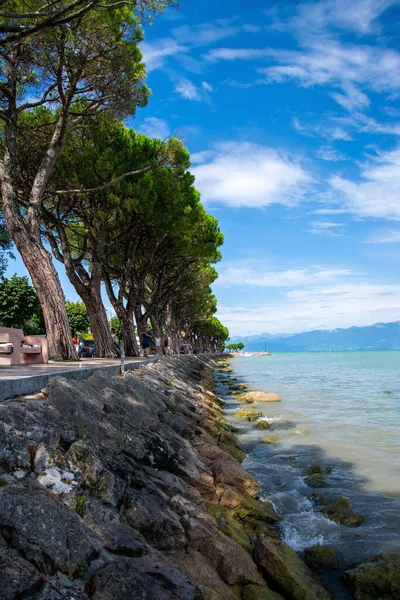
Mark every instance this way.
x=121 y=580
x=60 y=587
x=118 y=536
x=18 y=578
x=160 y=526
x=47 y=533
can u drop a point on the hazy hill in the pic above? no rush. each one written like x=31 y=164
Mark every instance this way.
x=380 y=336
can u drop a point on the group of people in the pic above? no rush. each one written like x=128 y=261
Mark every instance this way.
x=162 y=346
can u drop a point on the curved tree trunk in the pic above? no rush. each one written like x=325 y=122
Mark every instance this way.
x=51 y=296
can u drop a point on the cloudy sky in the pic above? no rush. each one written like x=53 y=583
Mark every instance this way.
x=291 y=112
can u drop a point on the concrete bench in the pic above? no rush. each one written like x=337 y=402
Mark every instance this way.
x=19 y=349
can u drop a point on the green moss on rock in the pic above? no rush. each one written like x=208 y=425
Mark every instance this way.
x=256 y=592
x=377 y=578
x=341 y=511
x=321 y=557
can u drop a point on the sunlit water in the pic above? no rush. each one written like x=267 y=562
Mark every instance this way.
x=341 y=410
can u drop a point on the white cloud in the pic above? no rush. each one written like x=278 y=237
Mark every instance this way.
x=187 y=90
x=316 y=307
x=326 y=228
x=328 y=61
x=329 y=153
x=358 y=15
x=391 y=236
x=257 y=273
x=377 y=194
x=205 y=33
x=155 y=128
x=236 y=54
x=207 y=87
x=246 y=174
x=155 y=53
x=330 y=130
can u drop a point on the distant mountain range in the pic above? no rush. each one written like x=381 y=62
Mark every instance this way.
x=381 y=336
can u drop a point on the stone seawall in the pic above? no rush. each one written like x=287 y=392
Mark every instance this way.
x=132 y=488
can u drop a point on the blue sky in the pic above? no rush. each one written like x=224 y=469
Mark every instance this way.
x=291 y=112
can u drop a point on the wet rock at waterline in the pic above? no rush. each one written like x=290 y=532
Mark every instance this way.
x=375 y=578
x=321 y=557
x=262 y=424
x=248 y=413
x=270 y=439
x=318 y=470
x=317 y=480
x=289 y=574
x=341 y=511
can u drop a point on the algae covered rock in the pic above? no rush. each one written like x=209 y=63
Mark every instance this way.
x=248 y=413
x=262 y=397
x=263 y=424
x=341 y=511
x=289 y=574
x=257 y=592
x=377 y=578
x=318 y=470
x=316 y=480
x=270 y=439
x=321 y=557
x=230 y=443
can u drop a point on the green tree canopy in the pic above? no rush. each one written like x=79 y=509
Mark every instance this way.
x=19 y=305
x=77 y=317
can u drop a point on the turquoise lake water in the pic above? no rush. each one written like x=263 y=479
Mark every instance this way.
x=341 y=410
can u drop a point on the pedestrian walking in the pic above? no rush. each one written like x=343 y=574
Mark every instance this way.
x=146 y=341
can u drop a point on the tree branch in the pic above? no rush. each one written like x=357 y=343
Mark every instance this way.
x=99 y=188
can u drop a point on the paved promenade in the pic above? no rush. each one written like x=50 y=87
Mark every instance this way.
x=21 y=380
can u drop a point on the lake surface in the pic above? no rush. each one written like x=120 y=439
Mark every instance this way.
x=340 y=410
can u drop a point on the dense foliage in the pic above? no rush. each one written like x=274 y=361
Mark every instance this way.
x=77 y=317
x=19 y=306
x=118 y=209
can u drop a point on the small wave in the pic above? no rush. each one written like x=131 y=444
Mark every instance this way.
x=302 y=429
x=298 y=541
x=271 y=419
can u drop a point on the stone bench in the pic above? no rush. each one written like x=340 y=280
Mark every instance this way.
x=19 y=349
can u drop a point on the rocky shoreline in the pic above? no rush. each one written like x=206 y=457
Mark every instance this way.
x=122 y=488
x=376 y=578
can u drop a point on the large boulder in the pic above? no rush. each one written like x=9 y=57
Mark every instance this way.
x=341 y=511
x=288 y=572
x=204 y=574
x=321 y=557
x=121 y=580
x=45 y=531
x=18 y=578
x=158 y=524
x=377 y=578
x=261 y=397
x=232 y=473
x=232 y=562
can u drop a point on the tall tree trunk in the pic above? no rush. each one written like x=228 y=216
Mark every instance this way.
x=103 y=341
x=129 y=332
x=51 y=296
